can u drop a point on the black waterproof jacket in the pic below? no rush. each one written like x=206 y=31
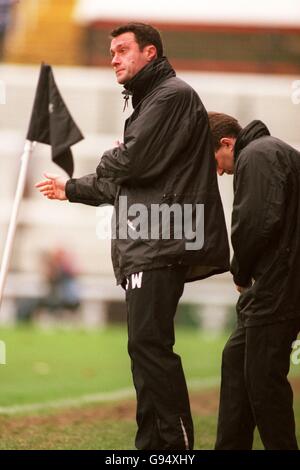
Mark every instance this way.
x=166 y=161
x=266 y=226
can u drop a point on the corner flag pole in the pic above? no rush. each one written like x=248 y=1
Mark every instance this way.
x=51 y=123
x=28 y=149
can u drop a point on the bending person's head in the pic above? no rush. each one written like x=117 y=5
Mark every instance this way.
x=224 y=129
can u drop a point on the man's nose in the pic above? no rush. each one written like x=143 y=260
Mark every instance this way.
x=115 y=60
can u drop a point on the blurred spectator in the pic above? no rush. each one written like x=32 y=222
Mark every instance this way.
x=6 y=7
x=62 y=287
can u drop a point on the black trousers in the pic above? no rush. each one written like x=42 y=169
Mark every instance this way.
x=255 y=390
x=163 y=410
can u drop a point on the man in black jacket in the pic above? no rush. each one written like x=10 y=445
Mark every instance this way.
x=266 y=270
x=162 y=182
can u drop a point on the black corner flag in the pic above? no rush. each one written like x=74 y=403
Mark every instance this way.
x=51 y=123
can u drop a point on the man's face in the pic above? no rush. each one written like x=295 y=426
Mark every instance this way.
x=127 y=58
x=225 y=156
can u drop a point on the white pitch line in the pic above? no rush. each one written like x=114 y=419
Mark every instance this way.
x=198 y=384
x=194 y=384
x=69 y=402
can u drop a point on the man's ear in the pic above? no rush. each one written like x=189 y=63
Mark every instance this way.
x=227 y=141
x=150 y=52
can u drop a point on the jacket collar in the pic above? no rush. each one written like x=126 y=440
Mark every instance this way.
x=148 y=78
x=253 y=131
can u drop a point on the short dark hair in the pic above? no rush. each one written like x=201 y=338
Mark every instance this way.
x=145 y=35
x=222 y=125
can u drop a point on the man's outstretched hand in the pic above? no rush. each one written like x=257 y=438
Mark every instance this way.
x=53 y=187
